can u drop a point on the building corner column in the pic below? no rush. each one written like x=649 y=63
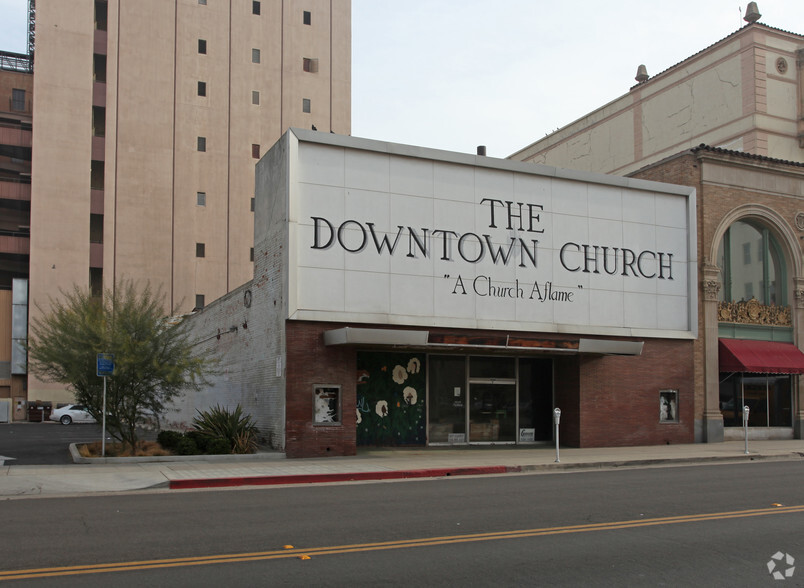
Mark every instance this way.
x=712 y=417
x=798 y=323
x=800 y=91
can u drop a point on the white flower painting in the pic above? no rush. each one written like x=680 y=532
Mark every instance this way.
x=400 y=374
x=381 y=408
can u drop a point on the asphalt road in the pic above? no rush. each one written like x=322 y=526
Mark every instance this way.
x=679 y=526
x=43 y=443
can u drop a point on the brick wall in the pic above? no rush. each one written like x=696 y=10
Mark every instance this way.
x=619 y=396
x=252 y=364
x=309 y=363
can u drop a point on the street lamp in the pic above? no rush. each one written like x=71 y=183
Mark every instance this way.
x=556 y=420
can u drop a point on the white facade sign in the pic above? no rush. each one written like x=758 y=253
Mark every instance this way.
x=427 y=238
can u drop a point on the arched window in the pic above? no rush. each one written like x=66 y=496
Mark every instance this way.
x=752 y=265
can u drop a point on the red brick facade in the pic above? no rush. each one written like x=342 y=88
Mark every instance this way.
x=605 y=400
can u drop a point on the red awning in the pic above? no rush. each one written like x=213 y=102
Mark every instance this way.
x=764 y=357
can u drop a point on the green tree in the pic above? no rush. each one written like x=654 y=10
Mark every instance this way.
x=155 y=358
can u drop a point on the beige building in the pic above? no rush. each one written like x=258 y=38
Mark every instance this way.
x=728 y=121
x=149 y=117
x=744 y=93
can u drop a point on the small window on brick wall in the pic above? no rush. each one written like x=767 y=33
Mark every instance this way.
x=255 y=7
x=202 y=46
x=252 y=205
x=307 y=17
x=255 y=56
x=201 y=198
x=199 y=301
x=200 y=250
x=255 y=151
x=202 y=88
x=255 y=97
x=251 y=254
x=305 y=105
x=17 y=99
x=202 y=144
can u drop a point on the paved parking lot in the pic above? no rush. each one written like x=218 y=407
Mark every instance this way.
x=43 y=443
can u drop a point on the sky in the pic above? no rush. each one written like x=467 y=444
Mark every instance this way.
x=455 y=74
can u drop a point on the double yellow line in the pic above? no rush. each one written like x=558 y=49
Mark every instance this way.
x=364 y=547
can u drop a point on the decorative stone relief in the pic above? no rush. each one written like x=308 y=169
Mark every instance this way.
x=754 y=313
x=781 y=65
x=711 y=281
x=800 y=221
x=711 y=289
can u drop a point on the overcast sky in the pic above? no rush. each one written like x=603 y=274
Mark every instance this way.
x=454 y=74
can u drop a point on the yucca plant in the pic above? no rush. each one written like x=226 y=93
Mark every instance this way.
x=236 y=428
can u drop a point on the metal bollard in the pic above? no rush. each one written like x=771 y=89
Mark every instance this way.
x=556 y=419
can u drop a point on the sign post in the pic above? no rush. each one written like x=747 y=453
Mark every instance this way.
x=105 y=367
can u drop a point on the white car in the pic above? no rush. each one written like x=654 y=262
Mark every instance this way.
x=72 y=413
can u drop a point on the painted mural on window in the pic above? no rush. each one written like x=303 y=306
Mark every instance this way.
x=390 y=399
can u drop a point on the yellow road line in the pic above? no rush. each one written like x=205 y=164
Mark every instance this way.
x=401 y=544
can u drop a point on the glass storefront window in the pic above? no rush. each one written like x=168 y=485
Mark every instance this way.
x=481 y=399
x=768 y=396
x=447 y=398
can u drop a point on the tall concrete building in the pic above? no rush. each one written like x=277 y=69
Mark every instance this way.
x=149 y=117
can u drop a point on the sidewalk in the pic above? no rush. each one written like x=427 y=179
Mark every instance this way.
x=374 y=464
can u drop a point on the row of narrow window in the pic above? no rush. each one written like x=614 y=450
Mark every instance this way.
x=202 y=146
x=309 y=64
x=201 y=251
x=256 y=8
x=255 y=97
x=201 y=200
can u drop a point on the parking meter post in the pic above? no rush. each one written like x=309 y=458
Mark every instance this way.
x=556 y=419
x=746 y=410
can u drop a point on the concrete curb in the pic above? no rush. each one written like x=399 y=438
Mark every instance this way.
x=641 y=463
x=339 y=477
x=288 y=479
x=263 y=456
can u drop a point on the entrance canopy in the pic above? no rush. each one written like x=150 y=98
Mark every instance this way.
x=401 y=338
x=764 y=357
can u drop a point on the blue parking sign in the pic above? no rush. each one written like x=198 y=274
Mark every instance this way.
x=105 y=364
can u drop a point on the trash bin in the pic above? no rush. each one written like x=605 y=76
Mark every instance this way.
x=34 y=414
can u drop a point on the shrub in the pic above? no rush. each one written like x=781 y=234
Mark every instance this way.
x=186 y=446
x=169 y=439
x=236 y=428
x=201 y=441
x=218 y=446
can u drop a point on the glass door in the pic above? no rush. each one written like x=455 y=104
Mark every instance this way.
x=492 y=412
